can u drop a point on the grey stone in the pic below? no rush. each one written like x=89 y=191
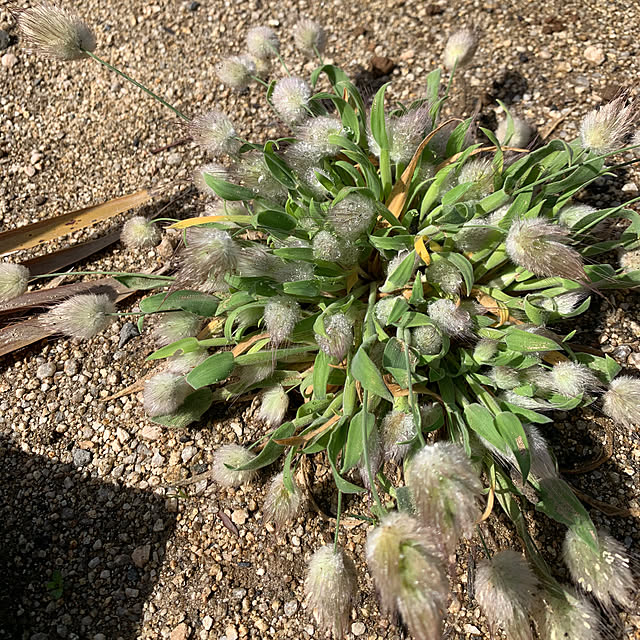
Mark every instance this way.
x=4 y=39
x=128 y=332
x=46 y=370
x=81 y=457
x=140 y=555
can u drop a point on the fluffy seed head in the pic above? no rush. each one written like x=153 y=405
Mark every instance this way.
x=477 y=234
x=622 y=401
x=309 y=37
x=453 y=320
x=327 y=246
x=14 y=279
x=505 y=377
x=83 y=316
x=445 y=488
x=604 y=130
x=212 y=169
x=183 y=363
x=536 y=404
x=408 y=574
x=604 y=572
x=384 y=307
x=262 y=42
x=485 y=350
x=175 y=325
x=572 y=379
x=164 y=393
x=232 y=455
x=237 y=72
x=630 y=260
x=280 y=317
x=426 y=339
x=398 y=427
x=445 y=275
x=330 y=588
x=405 y=133
x=567 y=616
x=565 y=303
x=207 y=256
x=215 y=132
x=571 y=214
x=339 y=338
x=536 y=245
x=139 y=233
x=290 y=98
x=255 y=174
x=460 y=49
x=273 y=408
x=520 y=137
x=480 y=173
x=352 y=216
x=55 y=33
x=316 y=131
x=505 y=591
x=281 y=505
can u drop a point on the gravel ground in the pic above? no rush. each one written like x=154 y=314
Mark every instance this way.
x=99 y=538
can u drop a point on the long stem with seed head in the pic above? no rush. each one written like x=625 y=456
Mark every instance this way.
x=137 y=84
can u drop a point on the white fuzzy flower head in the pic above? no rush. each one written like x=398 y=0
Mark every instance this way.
x=164 y=393
x=568 y=615
x=237 y=72
x=505 y=377
x=83 y=316
x=280 y=317
x=525 y=402
x=316 y=131
x=352 y=216
x=572 y=379
x=407 y=132
x=426 y=339
x=536 y=245
x=232 y=455
x=256 y=175
x=309 y=37
x=384 y=307
x=444 y=275
x=460 y=49
x=630 y=260
x=505 y=590
x=480 y=173
x=330 y=588
x=281 y=505
x=398 y=428
x=14 y=279
x=207 y=256
x=477 y=234
x=273 y=408
x=565 y=303
x=571 y=214
x=140 y=233
x=408 y=574
x=604 y=130
x=603 y=571
x=339 y=338
x=327 y=246
x=262 y=42
x=55 y=33
x=485 y=350
x=214 y=132
x=211 y=169
x=183 y=363
x=453 y=320
x=445 y=488
x=520 y=137
x=175 y=325
x=622 y=400
x=290 y=98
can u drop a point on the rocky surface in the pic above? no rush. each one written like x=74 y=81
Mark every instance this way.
x=100 y=538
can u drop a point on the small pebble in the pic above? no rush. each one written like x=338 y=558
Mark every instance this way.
x=358 y=628
x=8 y=60
x=46 y=370
x=595 y=55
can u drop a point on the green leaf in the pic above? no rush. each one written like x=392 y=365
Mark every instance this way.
x=365 y=372
x=276 y=220
x=201 y=304
x=320 y=375
x=463 y=265
x=377 y=119
x=456 y=139
x=192 y=409
x=186 y=345
x=354 y=445
x=215 y=368
x=334 y=447
x=401 y=274
x=142 y=282
x=228 y=190
x=480 y=420
x=525 y=342
x=271 y=451
x=510 y=428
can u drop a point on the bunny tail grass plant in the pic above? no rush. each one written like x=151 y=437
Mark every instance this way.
x=394 y=291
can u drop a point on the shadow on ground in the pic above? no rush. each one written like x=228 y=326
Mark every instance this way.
x=77 y=555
